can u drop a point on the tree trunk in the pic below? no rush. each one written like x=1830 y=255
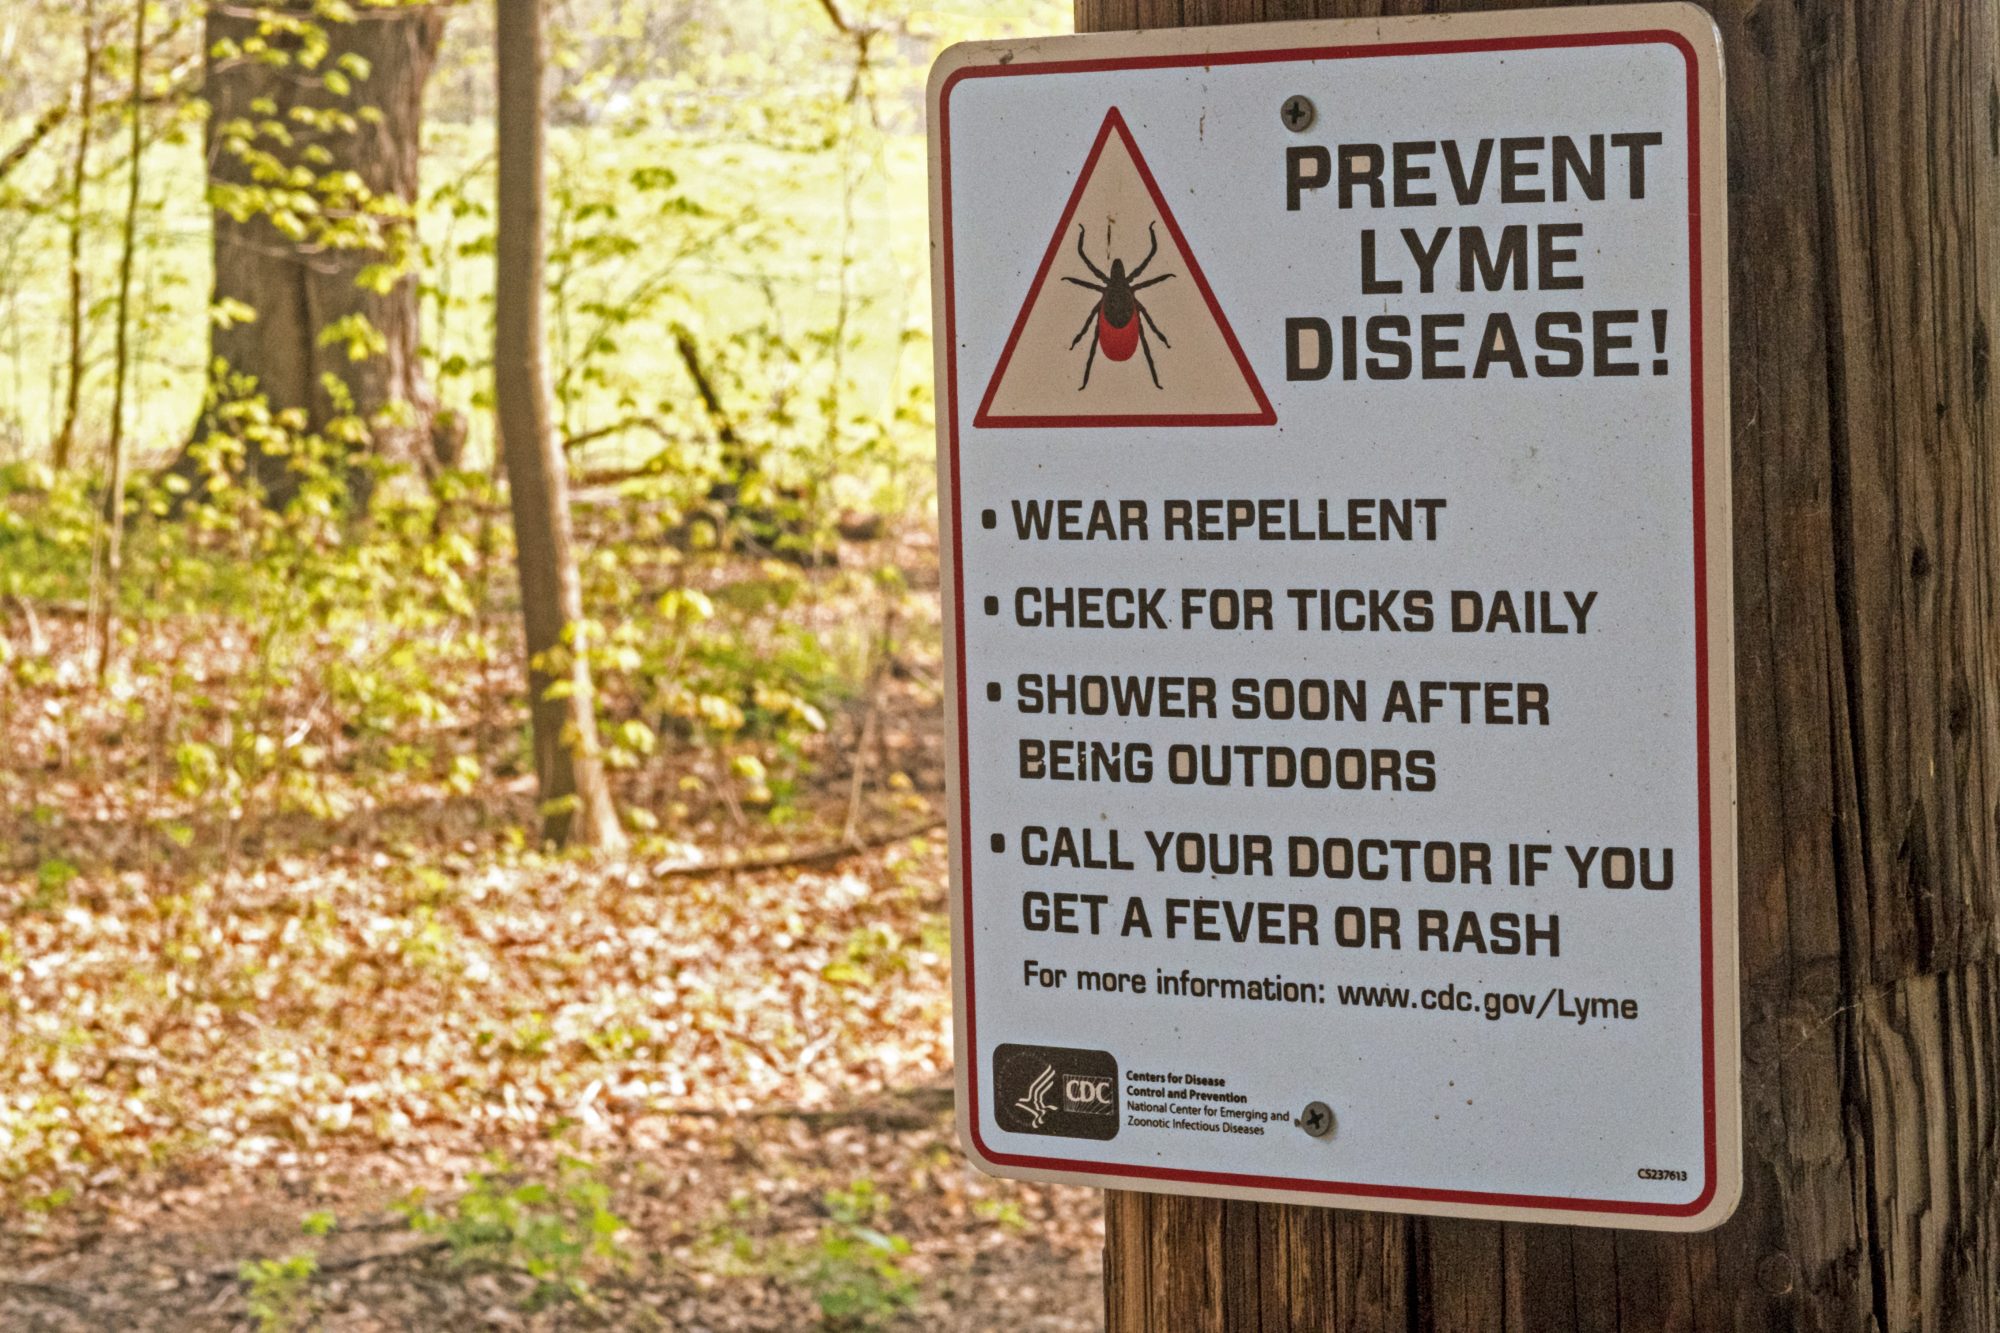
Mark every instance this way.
x=79 y=176
x=301 y=284
x=1864 y=146
x=113 y=515
x=576 y=800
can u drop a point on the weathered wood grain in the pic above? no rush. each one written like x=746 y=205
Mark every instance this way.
x=1864 y=146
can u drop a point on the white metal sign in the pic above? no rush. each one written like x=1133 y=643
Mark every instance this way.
x=1335 y=497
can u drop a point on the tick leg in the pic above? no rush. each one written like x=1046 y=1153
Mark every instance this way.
x=1146 y=346
x=1147 y=315
x=1096 y=272
x=1088 y=321
x=1089 y=361
x=1150 y=282
x=1154 y=236
x=1088 y=286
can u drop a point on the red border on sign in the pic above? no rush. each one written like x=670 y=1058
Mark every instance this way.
x=1336 y=1189
x=984 y=418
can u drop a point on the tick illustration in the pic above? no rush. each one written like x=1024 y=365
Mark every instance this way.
x=1118 y=322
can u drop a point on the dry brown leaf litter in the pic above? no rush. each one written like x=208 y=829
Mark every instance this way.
x=202 y=1045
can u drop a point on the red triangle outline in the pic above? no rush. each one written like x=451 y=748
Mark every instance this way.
x=984 y=417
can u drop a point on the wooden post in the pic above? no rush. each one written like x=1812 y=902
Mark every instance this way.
x=1864 y=146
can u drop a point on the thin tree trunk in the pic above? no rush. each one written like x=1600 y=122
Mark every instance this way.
x=1864 y=146
x=576 y=799
x=79 y=173
x=114 y=483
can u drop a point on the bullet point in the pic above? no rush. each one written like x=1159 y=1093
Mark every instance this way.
x=993 y=606
x=988 y=519
x=999 y=842
x=993 y=691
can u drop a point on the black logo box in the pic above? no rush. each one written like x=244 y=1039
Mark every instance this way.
x=1059 y=1091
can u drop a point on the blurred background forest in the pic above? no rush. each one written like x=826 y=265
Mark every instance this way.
x=331 y=998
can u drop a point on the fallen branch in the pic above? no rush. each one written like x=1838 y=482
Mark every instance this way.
x=916 y=1108
x=66 y=1297
x=827 y=855
x=425 y=1250
x=234 y=1272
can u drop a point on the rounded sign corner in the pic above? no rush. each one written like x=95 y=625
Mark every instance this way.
x=973 y=1143
x=951 y=64
x=1723 y=1197
x=1697 y=23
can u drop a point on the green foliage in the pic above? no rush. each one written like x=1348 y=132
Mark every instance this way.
x=727 y=673
x=374 y=618
x=1003 y=1213
x=872 y=954
x=856 y=1271
x=278 y=1292
x=854 y=1268
x=727 y=1242
x=560 y=1232
x=52 y=880
x=45 y=532
x=280 y=164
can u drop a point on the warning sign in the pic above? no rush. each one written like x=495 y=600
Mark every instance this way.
x=1119 y=257
x=1333 y=456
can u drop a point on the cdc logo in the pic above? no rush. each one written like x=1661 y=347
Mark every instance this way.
x=1060 y=1091
x=1089 y=1096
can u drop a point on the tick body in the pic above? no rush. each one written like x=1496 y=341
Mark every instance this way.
x=1119 y=321
x=1117 y=341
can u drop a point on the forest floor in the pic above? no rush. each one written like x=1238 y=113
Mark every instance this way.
x=395 y=1070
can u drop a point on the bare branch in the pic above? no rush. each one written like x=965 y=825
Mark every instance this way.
x=619 y=427
x=838 y=19
x=711 y=401
x=45 y=124
x=826 y=855
x=58 y=113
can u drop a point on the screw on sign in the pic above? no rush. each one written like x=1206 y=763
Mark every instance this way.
x=1120 y=319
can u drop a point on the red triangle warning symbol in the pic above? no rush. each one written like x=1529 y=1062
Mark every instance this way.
x=1120 y=327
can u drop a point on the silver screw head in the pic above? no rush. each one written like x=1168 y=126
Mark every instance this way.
x=1298 y=113
x=1317 y=1119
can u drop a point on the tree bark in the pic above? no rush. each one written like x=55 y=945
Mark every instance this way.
x=298 y=287
x=79 y=176
x=113 y=515
x=576 y=799
x=1864 y=147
